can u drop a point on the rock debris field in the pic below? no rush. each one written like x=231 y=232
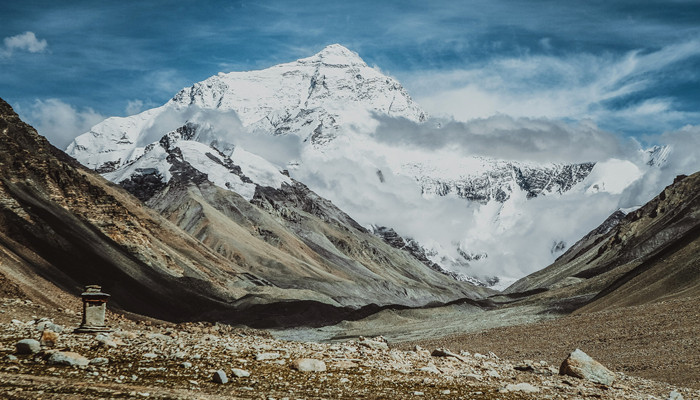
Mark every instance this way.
x=40 y=358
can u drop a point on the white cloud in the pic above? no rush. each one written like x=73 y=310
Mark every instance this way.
x=505 y=137
x=134 y=107
x=58 y=121
x=575 y=86
x=26 y=41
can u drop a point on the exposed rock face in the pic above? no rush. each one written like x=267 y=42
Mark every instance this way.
x=220 y=377
x=580 y=365
x=502 y=177
x=416 y=250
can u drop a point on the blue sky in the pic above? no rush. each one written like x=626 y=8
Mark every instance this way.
x=631 y=67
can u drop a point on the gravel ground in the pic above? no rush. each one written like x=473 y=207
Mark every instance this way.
x=151 y=359
x=659 y=341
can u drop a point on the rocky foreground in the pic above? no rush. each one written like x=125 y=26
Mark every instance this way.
x=40 y=357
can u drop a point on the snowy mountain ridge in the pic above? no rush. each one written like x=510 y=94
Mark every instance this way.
x=332 y=102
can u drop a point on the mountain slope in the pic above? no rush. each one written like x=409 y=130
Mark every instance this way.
x=651 y=254
x=65 y=226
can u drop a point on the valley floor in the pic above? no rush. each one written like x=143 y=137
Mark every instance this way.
x=152 y=359
x=658 y=341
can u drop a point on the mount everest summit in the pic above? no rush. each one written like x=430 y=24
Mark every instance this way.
x=317 y=121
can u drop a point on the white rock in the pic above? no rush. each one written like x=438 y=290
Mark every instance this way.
x=267 y=356
x=67 y=358
x=240 y=373
x=521 y=387
x=99 y=361
x=373 y=344
x=28 y=346
x=580 y=365
x=675 y=396
x=220 y=377
x=309 y=365
x=430 y=368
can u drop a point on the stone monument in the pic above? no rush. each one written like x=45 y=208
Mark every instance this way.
x=94 y=307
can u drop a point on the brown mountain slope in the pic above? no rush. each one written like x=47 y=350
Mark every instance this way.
x=653 y=254
x=65 y=226
x=294 y=239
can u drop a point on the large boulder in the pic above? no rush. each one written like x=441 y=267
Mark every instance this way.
x=580 y=365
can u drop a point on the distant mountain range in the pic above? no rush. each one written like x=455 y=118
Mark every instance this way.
x=322 y=112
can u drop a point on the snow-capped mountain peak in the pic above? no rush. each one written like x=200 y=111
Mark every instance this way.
x=316 y=98
x=335 y=55
x=309 y=97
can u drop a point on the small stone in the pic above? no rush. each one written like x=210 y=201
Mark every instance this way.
x=11 y=358
x=430 y=368
x=50 y=326
x=27 y=346
x=675 y=396
x=99 y=361
x=525 y=367
x=580 y=365
x=493 y=373
x=446 y=353
x=240 y=373
x=149 y=355
x=48 y=338
x=417 y=393
x=446 y=391
x=373 y=344
x=186 y=364
x=521 y=387
x=220 y=377
x=309 y=365
x=106 y=341
x=67 y=358
x=267 y=356
x=344 y=364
